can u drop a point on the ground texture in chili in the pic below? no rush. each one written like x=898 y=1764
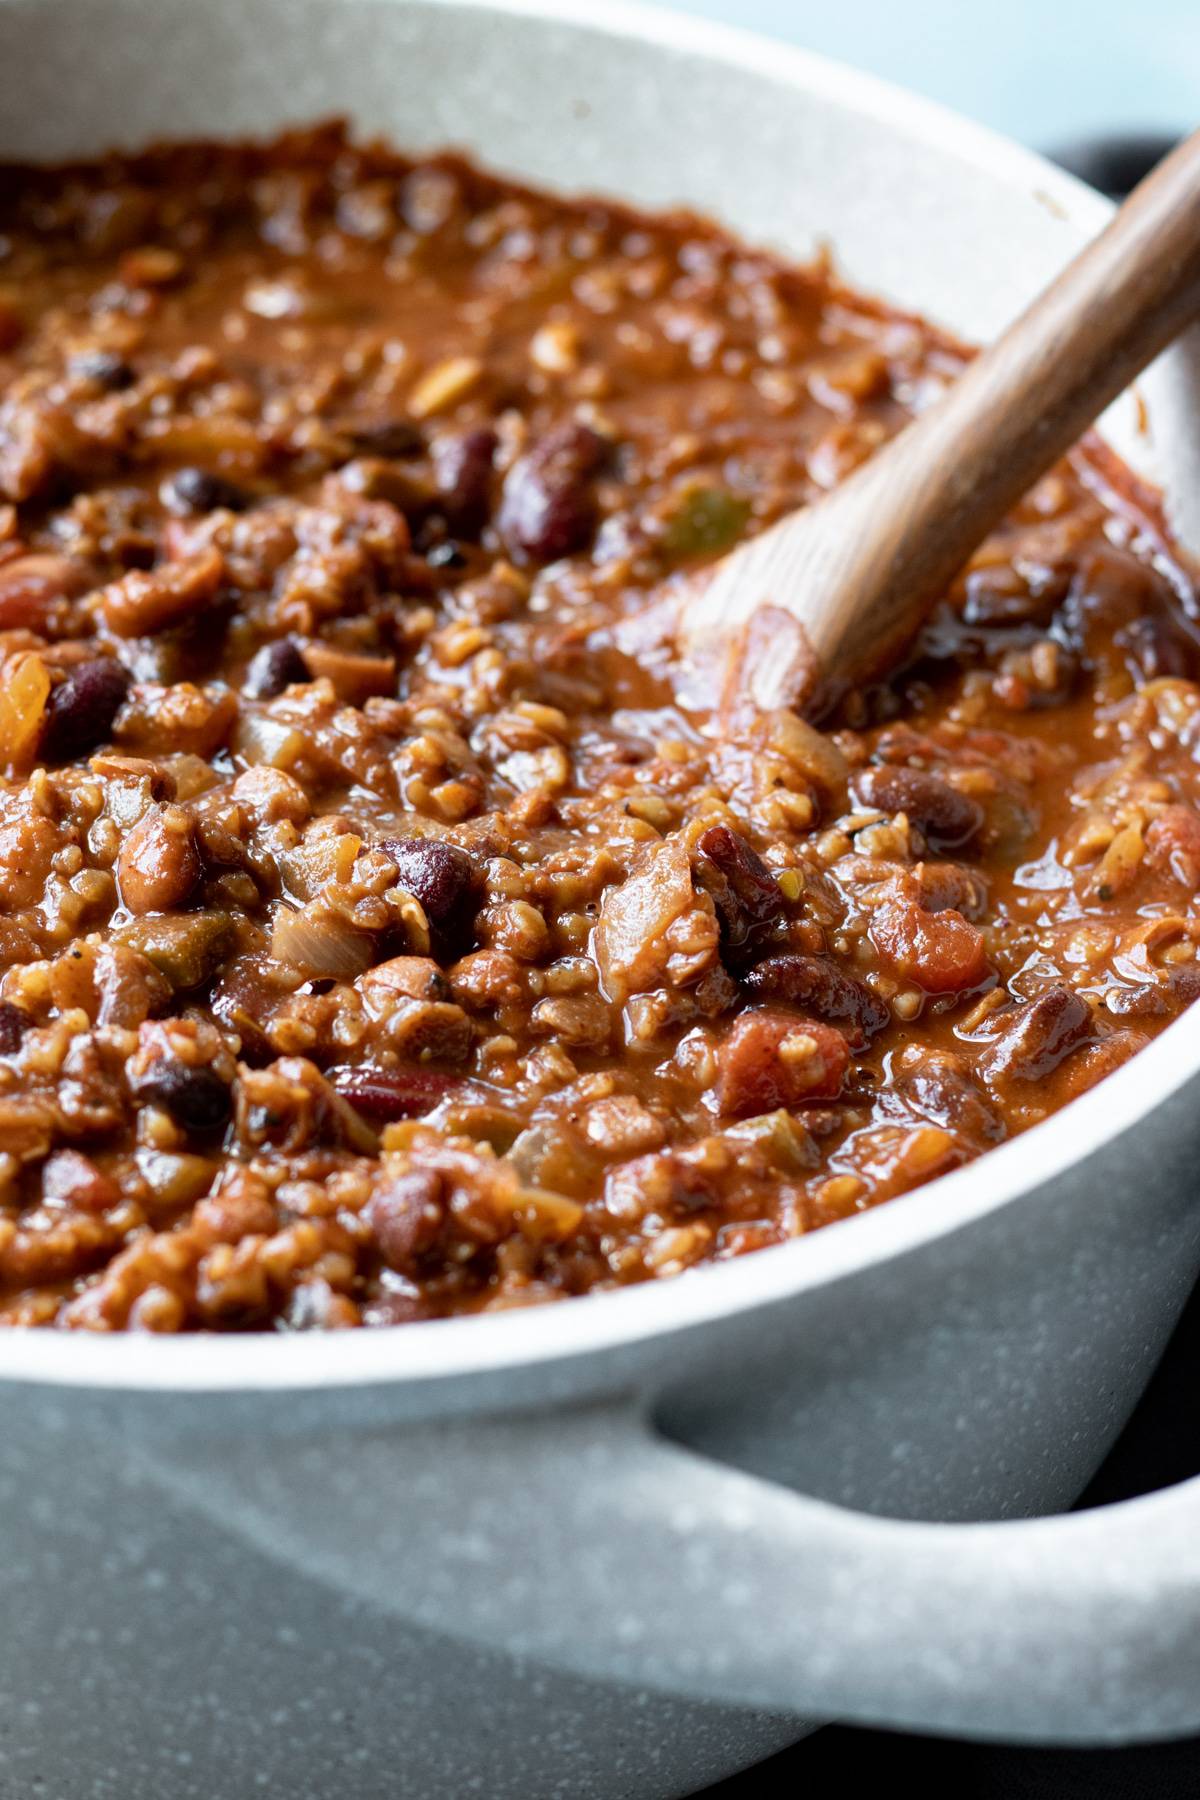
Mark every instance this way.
x=379 y=942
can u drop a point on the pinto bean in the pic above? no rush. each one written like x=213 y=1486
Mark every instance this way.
x=815 y=985
x=149 y=600
x=1035 y=1037
x=81 y=709
x=773 y=1059
x=946 y=817
x=745 y=893
x=548 y=509
x=159 y=863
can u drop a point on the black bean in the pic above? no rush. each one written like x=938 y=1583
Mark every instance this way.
x=195 y=1097
x=13 y=1025
x=105 y=368
x=446 y=556
x=275 y=667
x=202 y=491
x=440 y=875
x=391 y=438
x=946 y=817
x=745 y=893
x=816 y=986
x=81 y=709
x=462 y=468
x=549 y=507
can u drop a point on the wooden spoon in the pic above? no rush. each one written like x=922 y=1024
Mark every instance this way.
x=832 y=594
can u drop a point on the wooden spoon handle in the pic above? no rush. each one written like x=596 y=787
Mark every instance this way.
x=860 y=568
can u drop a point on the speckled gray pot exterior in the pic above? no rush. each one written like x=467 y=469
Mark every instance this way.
x=621 y=1546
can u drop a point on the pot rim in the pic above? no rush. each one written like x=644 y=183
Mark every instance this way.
x=608 y=1321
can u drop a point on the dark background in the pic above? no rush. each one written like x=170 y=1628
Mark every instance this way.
x=1160 y=1446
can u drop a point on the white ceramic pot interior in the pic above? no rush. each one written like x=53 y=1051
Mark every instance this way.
x=790 y=151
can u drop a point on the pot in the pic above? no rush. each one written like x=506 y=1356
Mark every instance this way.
x=624 y=1545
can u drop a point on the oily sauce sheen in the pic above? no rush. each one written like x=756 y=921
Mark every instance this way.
x=378 y=941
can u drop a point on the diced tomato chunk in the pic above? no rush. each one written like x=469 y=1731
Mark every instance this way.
x=942 y=952
x=774 y=1059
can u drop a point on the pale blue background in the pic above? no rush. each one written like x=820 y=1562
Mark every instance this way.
x=1050 y=72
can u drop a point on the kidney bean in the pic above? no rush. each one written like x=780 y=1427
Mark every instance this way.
x=13 y=1025
x=817 y=986
x=548 y=509
x=945 y=1093
x=1035 y=1037
x=1155 y=647
x=407 y=1217
x=275 y=667
x=201 y=491
x=462 y=468
x=946 y=817
x=745 y=893
x=81 y=709
x=773 y=1059
x=387 y=1094
x=442 y=877
x=195 y=1096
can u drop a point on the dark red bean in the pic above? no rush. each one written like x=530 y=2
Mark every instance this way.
x=1155 y=647
x=81 y=709
x=13 y=1025
x=817 y=987
x=549 y=507
x=745 y=893
x=946 y=1094
x=195 y=1097
x=388 y=1094
x=441 y=876
x=201 y=491
x=946 y=817
x=275 y=667
x=407 y=1217
x=105 y=368
x=462 y=469
x=1036 y=1036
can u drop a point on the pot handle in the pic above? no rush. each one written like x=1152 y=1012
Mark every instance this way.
x=1082 y=1627
x=584 y=1539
